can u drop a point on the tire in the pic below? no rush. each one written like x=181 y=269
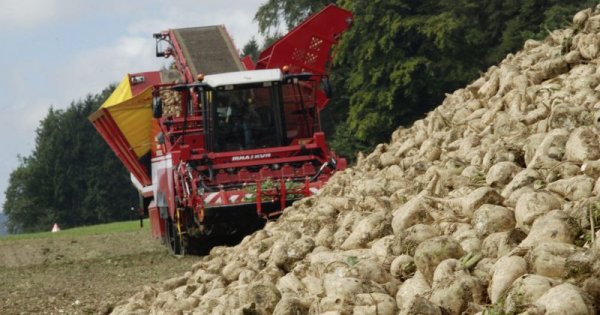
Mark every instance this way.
x=172 y=240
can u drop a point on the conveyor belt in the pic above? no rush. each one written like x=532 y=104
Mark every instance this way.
x=208 y=49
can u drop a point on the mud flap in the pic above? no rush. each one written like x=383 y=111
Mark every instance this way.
x=161 y=203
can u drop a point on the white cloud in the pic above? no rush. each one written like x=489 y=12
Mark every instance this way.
x=27 y=13
x=237 y=16
x=92 y=70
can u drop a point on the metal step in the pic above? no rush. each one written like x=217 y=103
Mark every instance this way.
x=208 y=49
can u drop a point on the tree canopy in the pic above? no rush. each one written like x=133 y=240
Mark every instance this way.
x=71 y=177
x=273 y=13
x=400 y=56
x=251 y=49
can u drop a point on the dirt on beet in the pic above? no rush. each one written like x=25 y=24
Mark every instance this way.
x=81 y=274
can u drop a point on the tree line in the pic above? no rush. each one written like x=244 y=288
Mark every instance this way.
x=392 y=66
x=71 y=177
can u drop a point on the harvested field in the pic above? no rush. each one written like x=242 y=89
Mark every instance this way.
x=81 y=274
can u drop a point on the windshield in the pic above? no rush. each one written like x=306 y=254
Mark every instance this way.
x=245 y=119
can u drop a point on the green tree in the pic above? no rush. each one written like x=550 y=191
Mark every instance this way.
x=71 y=177
x=400 y=57
x=273 y=13
x=20 y=199
x=508 y=24
x=251 y=49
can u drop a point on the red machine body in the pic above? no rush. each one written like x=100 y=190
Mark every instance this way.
x=237 y=145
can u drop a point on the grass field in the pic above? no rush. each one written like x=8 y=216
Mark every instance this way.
x=108 y=228
x=84 y=270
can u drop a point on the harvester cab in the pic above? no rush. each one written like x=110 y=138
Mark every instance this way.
x=217 y=145
x=249 y=110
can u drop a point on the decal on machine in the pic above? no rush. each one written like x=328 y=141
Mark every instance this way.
x=251 y=157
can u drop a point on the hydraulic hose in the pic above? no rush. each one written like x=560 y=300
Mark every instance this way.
x=331 y=163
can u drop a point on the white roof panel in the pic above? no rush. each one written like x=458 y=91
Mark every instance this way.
x=243 y=77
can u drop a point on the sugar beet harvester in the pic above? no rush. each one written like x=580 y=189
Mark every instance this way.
x=220 y=144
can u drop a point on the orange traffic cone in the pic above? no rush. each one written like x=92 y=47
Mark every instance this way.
x=55 y=228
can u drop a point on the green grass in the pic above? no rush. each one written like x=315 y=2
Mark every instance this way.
x=108 y=228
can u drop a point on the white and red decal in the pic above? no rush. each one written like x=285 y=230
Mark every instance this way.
x=250 y=157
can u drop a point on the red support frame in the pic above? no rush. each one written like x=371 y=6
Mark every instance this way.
x=179 y=57
x=307 y=47
x=109 y=130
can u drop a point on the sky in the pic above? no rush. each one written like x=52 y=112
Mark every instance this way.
x=54 y=52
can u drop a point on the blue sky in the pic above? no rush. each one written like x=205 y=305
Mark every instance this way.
x=56 y=51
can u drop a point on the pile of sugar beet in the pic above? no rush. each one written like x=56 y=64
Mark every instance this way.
x=489 y=205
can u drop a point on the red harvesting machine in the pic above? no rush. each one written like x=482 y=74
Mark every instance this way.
x=218 y=145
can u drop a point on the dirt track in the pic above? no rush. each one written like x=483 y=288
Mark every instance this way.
x=81 y=275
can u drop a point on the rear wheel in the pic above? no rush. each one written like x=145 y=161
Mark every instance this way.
x=200 y=243
x=173 y=240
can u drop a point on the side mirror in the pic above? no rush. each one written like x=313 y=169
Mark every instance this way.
x=157 y=109
x=326 y=86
